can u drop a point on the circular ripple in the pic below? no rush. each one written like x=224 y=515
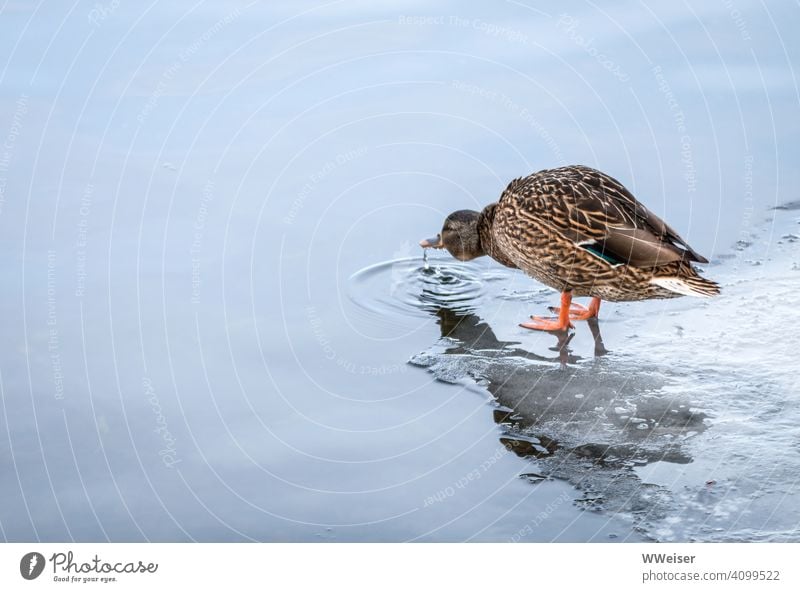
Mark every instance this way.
x=407 y=287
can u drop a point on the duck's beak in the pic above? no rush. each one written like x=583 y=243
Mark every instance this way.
x=432 y=243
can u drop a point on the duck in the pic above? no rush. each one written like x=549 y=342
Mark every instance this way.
x=582 y=233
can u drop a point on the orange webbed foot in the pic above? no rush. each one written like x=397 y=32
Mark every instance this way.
x=580 y=313
x=548 y=324
x=559 y=324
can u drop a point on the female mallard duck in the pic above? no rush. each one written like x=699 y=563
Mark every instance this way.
x=581 y=232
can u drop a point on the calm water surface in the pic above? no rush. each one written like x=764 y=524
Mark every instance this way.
x=218 y=326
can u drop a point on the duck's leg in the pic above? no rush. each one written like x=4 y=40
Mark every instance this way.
x=599 y=347
x=581 y=313
x=560 y=323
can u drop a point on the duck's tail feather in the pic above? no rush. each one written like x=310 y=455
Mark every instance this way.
x=688 y=286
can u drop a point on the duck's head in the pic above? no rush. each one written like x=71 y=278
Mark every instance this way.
x=459 y=236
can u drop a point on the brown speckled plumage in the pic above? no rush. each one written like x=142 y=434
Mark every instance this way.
x=577 y=229
x=581 y=232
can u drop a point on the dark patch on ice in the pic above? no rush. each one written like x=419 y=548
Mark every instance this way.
x=587 y=421
x=789 y=205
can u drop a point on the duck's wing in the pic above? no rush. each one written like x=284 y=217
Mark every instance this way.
x=597 y=213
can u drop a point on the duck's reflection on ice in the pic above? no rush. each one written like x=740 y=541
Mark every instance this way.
x=471 y=333
x=589 y=420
